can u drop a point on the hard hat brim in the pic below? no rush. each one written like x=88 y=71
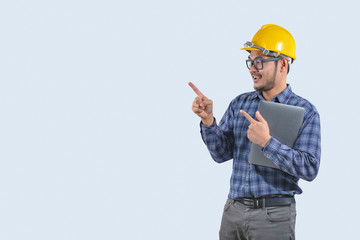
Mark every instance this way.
x=255 y=49
x=249 y=49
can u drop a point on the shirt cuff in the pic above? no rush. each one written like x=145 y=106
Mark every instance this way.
x=205 y=128
x=271 y=148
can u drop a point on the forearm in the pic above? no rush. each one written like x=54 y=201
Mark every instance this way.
x=303 y=163
x=219 y=143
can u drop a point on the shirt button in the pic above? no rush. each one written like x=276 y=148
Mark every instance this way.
x=247 y=184
x=267 y=155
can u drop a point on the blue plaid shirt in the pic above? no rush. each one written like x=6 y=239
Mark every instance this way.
x=228 y=140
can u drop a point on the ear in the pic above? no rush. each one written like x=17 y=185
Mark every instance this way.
x=284 y=65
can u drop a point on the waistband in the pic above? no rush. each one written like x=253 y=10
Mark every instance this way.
x=269 y=201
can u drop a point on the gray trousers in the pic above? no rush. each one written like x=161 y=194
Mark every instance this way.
x=243 y=223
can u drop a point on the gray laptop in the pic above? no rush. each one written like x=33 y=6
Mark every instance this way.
x=284 y=124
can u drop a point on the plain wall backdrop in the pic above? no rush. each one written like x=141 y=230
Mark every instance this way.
x=97 y=136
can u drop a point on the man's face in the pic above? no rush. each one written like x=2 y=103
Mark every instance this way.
x=264 y=79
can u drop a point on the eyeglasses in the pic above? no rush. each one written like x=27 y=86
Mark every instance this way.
x=258 y=63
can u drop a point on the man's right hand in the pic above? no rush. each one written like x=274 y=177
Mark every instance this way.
x=202 y=106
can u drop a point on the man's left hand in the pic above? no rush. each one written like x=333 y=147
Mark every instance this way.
x=258 y=131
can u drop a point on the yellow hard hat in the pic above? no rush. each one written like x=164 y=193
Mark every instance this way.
x=272 y=40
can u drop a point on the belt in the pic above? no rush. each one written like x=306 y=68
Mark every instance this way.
x=266 y=202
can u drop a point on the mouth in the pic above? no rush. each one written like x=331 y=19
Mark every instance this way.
x=256 y=77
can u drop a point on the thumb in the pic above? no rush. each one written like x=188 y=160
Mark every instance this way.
x=260 y=118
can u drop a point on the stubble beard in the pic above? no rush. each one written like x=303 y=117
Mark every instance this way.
x=270 y=84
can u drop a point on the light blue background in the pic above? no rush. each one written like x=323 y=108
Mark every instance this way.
x=97 y=136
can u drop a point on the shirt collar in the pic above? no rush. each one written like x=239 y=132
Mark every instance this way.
x=282 y=97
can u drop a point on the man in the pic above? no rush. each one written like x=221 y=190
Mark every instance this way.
x=261 y=202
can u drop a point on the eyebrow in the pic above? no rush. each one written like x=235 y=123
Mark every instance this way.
x=255 y=58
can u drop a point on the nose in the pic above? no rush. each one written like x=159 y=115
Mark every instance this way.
x=252 y=68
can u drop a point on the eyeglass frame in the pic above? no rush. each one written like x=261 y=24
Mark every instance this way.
x=262 y=62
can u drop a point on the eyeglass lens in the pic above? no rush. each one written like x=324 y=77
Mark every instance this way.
x=257 y=63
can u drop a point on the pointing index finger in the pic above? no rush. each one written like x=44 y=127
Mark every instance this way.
x=196 y=90
x=247 y=116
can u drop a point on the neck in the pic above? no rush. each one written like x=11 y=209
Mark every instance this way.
x=268 y=95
